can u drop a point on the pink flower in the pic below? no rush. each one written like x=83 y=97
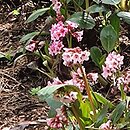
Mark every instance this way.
x=58 y=31
x=106 y=126
x=31 y=47
x=77 y=79
x=78 y=35
x=106 y=72
x=57 y=7
x=55 y=81
x=71 y=25
x=59 y=120
x=74 y=56
x=55 y=48
x=92 y=77
x=125 y=81
x=112 y=64
x=71 y=97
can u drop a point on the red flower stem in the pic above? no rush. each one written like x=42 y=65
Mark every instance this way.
x=88 y=90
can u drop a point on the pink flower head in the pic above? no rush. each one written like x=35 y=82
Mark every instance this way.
x=58 y=31
x=55 y=48
x=106 y=126
x=78 y=35
x=74 y=56
x=112 y=64
x=59 y=120
x=77 y=79
x=71 y=25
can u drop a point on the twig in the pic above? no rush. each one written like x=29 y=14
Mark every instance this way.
x=7 y=75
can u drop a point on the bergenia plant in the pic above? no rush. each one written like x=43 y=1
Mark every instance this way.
x=76 y=101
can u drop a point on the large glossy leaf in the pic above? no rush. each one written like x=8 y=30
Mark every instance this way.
x=111 y=2
x=108 y=37
x=115 y=22
x=36 y=14
x=83 y=20
x=118 y=111
x=96 y=8
x=96 y=56
x=125 y=16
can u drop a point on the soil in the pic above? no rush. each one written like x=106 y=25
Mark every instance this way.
x=18 y=109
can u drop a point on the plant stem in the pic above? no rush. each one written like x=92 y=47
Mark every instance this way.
x=77 y=117
x=87 y=5
x=88 y=90
x=70 y=42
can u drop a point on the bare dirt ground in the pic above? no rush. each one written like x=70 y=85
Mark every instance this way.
x=18 y=109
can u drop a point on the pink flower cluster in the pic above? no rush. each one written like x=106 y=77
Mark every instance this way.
x=125 y=81
x=59 y=120
x=77 y=79
x=73 y=56
x=112 y=64
x=58 y=32
x=55 y=48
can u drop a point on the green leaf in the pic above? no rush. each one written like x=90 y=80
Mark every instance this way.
x=118 y=111
x=108 y=37
x=102 y=99
x=36 y=14
x=85 y=108
x=15 y=12
x=47 y=91
x=35 y=90
x=96 y=56
x=28 y=36
x=96 y=8
x=53 y=104
x=125 y=16
x=83 y=20
x=101 y=116
x=115 y=22
x=111 y=2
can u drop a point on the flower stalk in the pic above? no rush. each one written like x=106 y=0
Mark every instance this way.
x=88 y=90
